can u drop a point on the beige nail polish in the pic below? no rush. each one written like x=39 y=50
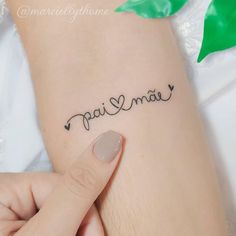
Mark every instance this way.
x=107 y=146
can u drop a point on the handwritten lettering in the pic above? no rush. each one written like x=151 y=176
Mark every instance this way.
x=116 y=105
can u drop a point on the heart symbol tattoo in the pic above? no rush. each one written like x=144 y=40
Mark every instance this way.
x=171 y=87
x=67 y=127
x=118 y=102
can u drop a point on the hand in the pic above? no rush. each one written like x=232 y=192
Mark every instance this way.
x=49 y=204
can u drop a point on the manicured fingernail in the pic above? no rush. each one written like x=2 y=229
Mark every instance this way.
x=108 y=146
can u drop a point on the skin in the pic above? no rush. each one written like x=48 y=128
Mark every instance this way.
x=166 y=179
x=53 y=204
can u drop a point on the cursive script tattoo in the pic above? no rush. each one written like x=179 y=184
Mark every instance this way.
x=119 y=104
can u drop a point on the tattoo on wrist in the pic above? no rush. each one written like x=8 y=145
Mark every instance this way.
x=119 y=104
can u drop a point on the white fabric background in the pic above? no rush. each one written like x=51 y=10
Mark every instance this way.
x=21 y=146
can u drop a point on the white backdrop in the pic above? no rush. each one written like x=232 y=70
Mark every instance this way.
x=214 y=80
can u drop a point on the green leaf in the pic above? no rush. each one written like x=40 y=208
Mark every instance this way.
x=220 y=27
x=152 y=8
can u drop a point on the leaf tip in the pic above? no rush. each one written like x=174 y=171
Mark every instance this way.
x=121 y=8
x=202 y=55
x=200 y=58
x=118 y=9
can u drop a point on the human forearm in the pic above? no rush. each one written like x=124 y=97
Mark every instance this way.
x=165 y=184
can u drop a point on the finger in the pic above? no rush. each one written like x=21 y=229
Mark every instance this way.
x=8 y=228
x=24 y=193
x=68 y=204
x=92 y=224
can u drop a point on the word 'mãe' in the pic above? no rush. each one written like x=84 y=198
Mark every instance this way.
x=119 y=104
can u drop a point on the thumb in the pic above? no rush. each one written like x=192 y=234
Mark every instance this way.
x=80 y=186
